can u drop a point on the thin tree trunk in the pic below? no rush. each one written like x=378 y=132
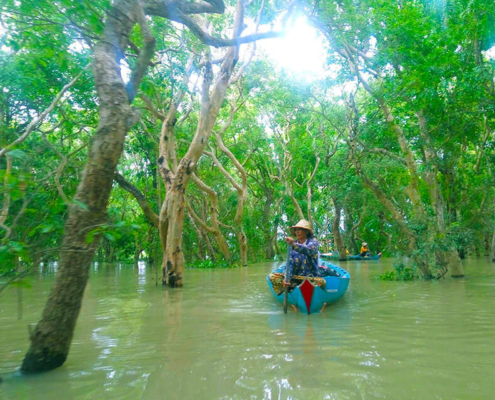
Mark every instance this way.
x=266 y=225
x=241 y=196
x=352 y=235
x=310 y=180
x=493 y=238
x=200 y=236
x=214 y=229
x=137 y=254
x=337 y=236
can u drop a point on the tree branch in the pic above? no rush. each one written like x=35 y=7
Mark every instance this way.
x=142 y=201
x=42 y=116
x=144 y=57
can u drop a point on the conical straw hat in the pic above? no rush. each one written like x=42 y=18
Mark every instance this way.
x=302 y=224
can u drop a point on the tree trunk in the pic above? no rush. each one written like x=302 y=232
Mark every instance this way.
x=454 y=264
x=140 y=198
x=449 y=258
x=275 y=240
x=171 y=228
x=199 y=234
x=177 y=179
x=420 y=260
x=337 y=237
x=493 y=238
x=266 y=225
x=51 y=339
x=137 y=254
x=241 y=190
x=214 y=229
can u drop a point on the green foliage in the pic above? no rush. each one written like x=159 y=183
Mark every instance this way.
x=209 y=264
x=400 y=273
x=429 y=59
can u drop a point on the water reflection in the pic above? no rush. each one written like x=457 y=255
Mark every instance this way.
x=141 y=276
x=223 y=336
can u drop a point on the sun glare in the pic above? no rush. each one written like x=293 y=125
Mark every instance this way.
x=301 y=51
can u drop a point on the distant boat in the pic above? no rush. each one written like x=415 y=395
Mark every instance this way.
x=332 y=256
x=309 y=298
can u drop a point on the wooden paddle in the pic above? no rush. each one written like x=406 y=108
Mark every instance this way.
x=286 y=288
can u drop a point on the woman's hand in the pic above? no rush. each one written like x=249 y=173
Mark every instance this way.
x=289 y=240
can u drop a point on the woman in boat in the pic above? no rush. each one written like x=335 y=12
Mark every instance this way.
x=365 y=251
x=303 y=260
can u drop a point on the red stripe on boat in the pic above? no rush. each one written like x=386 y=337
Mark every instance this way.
x=307 y=290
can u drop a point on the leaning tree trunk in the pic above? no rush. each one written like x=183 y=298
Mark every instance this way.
x=52 y=337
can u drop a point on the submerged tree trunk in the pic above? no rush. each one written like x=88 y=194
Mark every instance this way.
x=171 y=228
x=445 y=258
x=177 y=178
x=52 y=336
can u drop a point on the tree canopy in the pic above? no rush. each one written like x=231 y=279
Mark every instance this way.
x=393 y=145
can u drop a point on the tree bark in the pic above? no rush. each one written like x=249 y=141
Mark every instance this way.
x=51 y=339
x=337 y=236
x=171 y=214
x=267 y=226
x=214 y=229
x=493 y=238
x=352 y=234
x=52 y=336
x=241 y=197
x=448 y=258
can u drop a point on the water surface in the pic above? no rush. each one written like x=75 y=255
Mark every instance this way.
x=223 y=336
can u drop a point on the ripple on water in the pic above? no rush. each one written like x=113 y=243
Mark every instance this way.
x=223 y=336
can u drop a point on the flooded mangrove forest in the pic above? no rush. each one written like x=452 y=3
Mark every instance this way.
x=156 y=156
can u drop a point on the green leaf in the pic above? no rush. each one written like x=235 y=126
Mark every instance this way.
x=90 y=237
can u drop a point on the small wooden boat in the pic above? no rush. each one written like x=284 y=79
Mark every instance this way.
x=356 y=257
x=309 y=298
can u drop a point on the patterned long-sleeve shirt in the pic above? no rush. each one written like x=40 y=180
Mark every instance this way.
x=303 y=259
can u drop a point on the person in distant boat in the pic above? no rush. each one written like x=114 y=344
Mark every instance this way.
x=365 y=251
x=303 y=260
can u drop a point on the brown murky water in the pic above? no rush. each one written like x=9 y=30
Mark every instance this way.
x=223 y=337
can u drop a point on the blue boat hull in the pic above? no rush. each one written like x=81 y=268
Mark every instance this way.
x=356 y=257
x=335 y=288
